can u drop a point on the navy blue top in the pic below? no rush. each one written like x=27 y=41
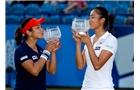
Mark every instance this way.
x=25 y=80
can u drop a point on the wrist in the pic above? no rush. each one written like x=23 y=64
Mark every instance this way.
x=45 y=54
x=88 y=44
x=53 y=52
x=78 y=43
x=46 y=51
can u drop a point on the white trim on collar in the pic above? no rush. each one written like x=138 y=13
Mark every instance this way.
x=104 y=36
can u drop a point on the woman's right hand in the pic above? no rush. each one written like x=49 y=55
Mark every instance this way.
x=75 y=37
x=51 y=45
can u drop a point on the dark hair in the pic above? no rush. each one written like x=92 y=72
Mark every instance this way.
x=18 y=32
x=109 y=18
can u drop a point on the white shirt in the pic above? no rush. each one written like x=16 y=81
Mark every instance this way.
x=100 y=79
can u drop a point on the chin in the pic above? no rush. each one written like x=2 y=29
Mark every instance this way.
x=40 y=37
x=92 y=28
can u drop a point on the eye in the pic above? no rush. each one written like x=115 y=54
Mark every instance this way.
x=92 y=17
x=39 y=26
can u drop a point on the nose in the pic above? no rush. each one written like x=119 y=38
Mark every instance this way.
x=41 y=30
x=89 y=20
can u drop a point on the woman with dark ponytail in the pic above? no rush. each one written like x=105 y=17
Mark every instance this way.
x=31 y=61
x=99 y=51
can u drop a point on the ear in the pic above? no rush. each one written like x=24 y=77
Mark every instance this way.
x=102 y=20
x=28 y=32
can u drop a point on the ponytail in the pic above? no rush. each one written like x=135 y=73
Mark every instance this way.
x=111 y=22
x=18 y=32
x=18 y=36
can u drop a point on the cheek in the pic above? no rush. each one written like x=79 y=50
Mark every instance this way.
x=93 y=22
x=39 y=33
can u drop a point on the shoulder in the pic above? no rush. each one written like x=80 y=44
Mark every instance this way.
x=110 y=43
x=112 y=38
x=20 y=49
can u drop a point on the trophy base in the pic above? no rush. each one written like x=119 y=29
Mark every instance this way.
x=82 y=33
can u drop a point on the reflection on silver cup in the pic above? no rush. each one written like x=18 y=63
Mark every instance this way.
x=80 y=25
x=51 y=33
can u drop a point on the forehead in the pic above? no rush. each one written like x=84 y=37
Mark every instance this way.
x=93 y=13
x=36 y=26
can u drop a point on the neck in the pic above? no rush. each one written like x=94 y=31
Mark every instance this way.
x=99 y=32
x=31 y=43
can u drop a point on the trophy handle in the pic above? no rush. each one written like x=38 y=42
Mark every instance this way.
x=59 y=31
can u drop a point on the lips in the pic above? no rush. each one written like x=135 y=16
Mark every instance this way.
x=89 y=23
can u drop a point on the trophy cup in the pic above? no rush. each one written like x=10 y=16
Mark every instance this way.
x=51 y=33
x=80 y=25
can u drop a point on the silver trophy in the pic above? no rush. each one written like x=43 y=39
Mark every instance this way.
x=80 y=25
x=51 y=33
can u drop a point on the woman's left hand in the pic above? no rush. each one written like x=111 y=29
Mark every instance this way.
x=57 y=46
x=85 y=38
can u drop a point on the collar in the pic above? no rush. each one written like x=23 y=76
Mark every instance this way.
x=102 y=38
x=26 y=45
x=29 y=48
x=105 y=35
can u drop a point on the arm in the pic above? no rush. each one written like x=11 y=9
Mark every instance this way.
x=52 y=64
x=69 y=3
x=105 y=54
x=80 y=57
x=98 y=62
x=85 y=6
x=34 y=67
x=70 y=6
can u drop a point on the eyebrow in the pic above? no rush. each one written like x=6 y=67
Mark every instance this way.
x=38 y=25
x=91 y=15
